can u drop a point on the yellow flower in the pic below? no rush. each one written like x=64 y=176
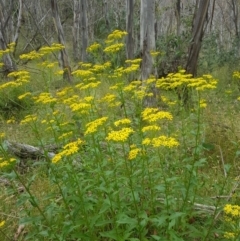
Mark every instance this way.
x=116 y=34
x=59 y=72
x=31 y=55
x=80 y=106
x=164 y=141
x=154 y=53
x=82 y=73
x=146 y=141
x=20 y=97
x=11 y=121
x=2 y=135
x=122 y=122
x=133 y=153
x=119 y=136
x=113 y=48
x=232 y=210
x=49 y=49
x=93 y=126
x=151 y=128
x=94 y=47
x=202 y=103
x=229 y=235
x=108 y=98
x=161 y=141
x=45 y=98
x=68 y=150
x=28 y=119
x=153 y=115
x=2 y=223
x=65 y=135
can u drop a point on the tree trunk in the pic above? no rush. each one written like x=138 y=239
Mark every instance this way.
x=178 y=15
x=129 y=28
x=235 y=17
x=9 y=66
x=84 y=30
x=76 y=26
x=147 y=36
x=199 y=22
x=19 y=24
x=64 y=57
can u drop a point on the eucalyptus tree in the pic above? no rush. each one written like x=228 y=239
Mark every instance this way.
x=84 y=30
x=129 y=28
x=198 y=27
x=147 y=36
x=9 y=30
x=63 y=53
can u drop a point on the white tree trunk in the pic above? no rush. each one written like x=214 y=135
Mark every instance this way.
x=147 y=36
x=64 y=57
x=76 y=26
x=129 y=28
x=84 y=30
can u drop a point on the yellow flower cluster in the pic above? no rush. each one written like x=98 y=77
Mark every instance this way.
x=65 y=135
x=151 y=128
x=6 y=162
x=153 y=115
x=133 y=61
x=174 y=80
x=20 y=77
x=82 y=73
x=236 y=74
x=68 y=150
x=203 y=103
x=93 y=125
x=154 y=53
x=116 y=34
x=28 y=119
x=232 y=210
x=133 y=153
x=122 y=122
x=20 y=97
x=31 y=55
x=2 y=223
x=11 y=120
x=120 y=135
x=167 y=101
x=114 y=48
x=48 y=64
x=45 y=98
x=49 y=49
x=161 y=141
x=94 y=47
x=229 y=235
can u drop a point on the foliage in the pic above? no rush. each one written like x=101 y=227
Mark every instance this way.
x=123 y=171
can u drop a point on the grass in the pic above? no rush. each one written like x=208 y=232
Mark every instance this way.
x=123 y=171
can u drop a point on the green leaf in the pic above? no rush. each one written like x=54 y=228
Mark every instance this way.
x=111 y=234
x=208 y=146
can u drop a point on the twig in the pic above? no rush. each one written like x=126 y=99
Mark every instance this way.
x=223 y=164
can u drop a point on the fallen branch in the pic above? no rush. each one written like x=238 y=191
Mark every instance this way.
x=198 y=206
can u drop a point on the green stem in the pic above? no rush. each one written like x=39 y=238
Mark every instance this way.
x=35 y=204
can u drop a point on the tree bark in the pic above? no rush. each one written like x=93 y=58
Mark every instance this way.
x=147 y=36
x=63 y=53
x=76 y=26
x=19 y=23
x=199 y=22
x=129 y=28
x=84 y=30
x=9 y=65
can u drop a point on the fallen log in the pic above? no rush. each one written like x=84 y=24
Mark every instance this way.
x=25 y=151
